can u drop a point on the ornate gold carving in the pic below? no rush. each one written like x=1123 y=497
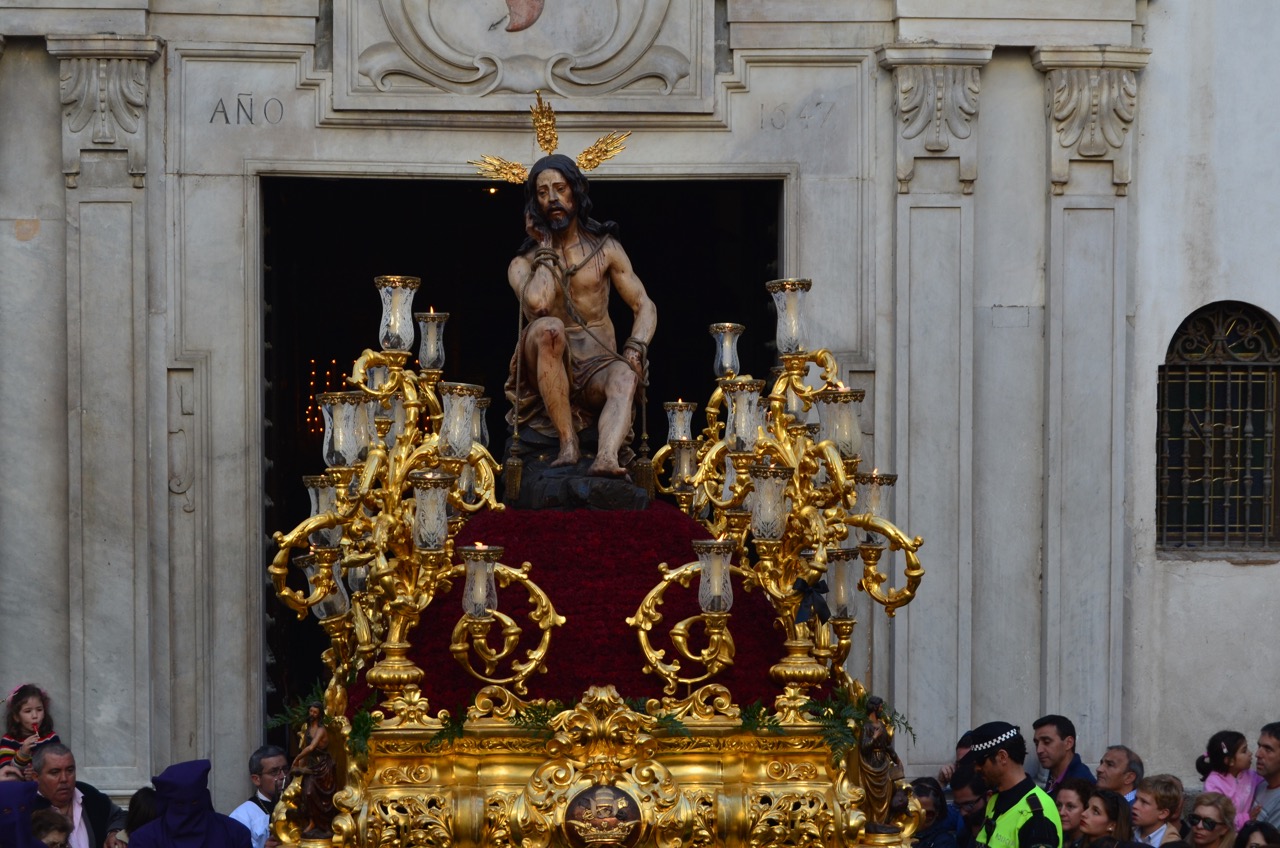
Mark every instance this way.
x=424 y=820
x=707 y=703
x=800 y=819
x=497 y=820
x=601 y=150
x=716 y=655
x=782 y=771
x=470 y=635
x=406 y=774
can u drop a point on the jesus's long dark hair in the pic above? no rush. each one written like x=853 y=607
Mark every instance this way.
x=581 y=199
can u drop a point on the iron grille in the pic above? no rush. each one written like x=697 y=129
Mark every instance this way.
x=1217 y=434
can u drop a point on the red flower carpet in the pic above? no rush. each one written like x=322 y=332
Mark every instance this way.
x=597 y=567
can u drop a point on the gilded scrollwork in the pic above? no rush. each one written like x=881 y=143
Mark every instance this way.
x=418 y=820
x=800 y=819
x=402 y=774
x=783 y=771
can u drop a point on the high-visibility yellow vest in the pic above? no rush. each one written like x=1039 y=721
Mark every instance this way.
x=1004 y=834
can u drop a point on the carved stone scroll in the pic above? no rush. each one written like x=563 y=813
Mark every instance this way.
x=936 y=106
x=103 y=91
x=398 y=54
x=1092 y=95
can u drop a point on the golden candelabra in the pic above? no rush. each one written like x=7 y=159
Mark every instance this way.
x=407 y=465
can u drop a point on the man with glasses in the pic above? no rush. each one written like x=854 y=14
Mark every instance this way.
x=969 y=795
x=1020 y=814
x=268 y=771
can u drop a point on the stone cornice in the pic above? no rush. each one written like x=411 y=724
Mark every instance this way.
x=105 y=46
x=1092 y=56
x=892 y=56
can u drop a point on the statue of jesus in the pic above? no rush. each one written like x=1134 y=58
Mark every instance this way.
x=568 y=370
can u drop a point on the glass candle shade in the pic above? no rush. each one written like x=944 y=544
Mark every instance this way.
x=430 y=496
x=788 y=300
x=337 y=601
x=459 y=405
x=685 y=465
x=349 y=427
x=396 y=330
x=679 y=419
x=838 y=419
x=431 y=347
x=842 y=580
x=715 y=589
x=480 y=421
x=769 y=502
x=358 y=577
x=323 y=499
x=480 y=594
x=726 y=336
x=744 y=406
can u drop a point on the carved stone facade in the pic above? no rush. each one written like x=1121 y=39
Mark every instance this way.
x=1006 y=223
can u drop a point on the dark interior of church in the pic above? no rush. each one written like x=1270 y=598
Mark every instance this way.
x=703 y=248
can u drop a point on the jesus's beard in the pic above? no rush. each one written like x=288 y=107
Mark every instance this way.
x=557 y=224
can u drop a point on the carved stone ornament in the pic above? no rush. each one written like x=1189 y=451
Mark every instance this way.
x=936 y=106
x=1092 y=102
x=103 y=90
x=416 y=54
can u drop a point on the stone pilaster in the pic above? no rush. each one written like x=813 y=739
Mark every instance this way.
x=103 y=88
x=1091 y=106
x=936 y=90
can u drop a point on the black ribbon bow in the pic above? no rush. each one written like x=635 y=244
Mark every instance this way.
x=811 y=601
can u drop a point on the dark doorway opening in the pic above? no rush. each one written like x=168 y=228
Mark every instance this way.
x=703 y=248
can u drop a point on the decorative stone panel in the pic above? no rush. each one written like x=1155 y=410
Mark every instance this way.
x=622 y=55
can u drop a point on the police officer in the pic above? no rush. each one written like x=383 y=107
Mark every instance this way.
x=1019 y=814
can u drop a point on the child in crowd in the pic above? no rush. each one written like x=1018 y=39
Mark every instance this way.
x=28 y=725
x=1225 y=768
x=1106 y=820
x=1157 y=809
x=936 y=831
x=51 y=827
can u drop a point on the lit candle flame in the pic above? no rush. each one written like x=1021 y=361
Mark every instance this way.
x=480 y=546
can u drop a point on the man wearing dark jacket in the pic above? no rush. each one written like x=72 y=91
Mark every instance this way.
x=95 y=817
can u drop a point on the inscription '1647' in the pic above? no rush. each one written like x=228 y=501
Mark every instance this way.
x=242 y=107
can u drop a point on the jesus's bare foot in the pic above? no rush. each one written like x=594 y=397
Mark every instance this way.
x=568 y=454
x=604 y=467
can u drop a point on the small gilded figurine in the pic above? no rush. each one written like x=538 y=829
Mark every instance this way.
x=880 y=767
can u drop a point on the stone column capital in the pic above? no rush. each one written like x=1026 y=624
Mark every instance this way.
x=935 y=107
x=1092 y=94
x=103 y=90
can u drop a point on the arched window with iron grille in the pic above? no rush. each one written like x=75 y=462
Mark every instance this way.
x=1216 y=436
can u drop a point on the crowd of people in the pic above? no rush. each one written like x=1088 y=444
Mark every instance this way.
x=994 y=801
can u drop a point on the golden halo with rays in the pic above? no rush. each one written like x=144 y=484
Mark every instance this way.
x=601 y=150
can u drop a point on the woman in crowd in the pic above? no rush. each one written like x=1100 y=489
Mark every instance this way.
x=1212 y=821
x=936 y=831
x=1072 y=795
x=1256 y=834
x=1106 y=820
